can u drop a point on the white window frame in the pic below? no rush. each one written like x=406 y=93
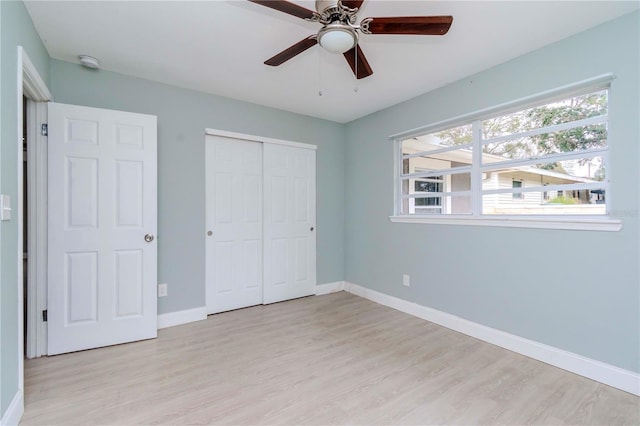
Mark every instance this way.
x=566 y=222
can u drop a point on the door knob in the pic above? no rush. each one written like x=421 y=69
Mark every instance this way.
x=209 y=233
x=148 y=238
x=311 y=229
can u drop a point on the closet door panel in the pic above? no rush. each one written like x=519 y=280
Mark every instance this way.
x=289 y=222
x=234 y=220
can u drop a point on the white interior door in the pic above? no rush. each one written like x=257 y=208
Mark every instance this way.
x=234 y=223
x=289 y=222
x=102 y=254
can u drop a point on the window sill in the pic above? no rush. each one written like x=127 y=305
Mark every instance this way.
x=568 y=223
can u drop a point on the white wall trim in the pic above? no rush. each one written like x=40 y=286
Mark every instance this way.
x=616 y=377
x=322 y=289
x=34 y=86
x=14 y=412
x=254 y=138
x=182 y=317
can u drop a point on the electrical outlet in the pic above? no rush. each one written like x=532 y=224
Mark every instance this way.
x=162 y=290
x=406 y=280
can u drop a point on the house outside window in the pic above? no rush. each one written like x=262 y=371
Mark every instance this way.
x=545 y=159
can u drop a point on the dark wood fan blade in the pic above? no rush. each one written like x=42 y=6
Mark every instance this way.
x=352 y=4
x=363 y=68
x=294 y=50
x=411 y=25
x=286 y=7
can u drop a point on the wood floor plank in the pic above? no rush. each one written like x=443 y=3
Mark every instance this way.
x=334 y=359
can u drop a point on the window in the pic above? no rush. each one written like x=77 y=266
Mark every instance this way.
x=517 y=184
x=429 y=205
x=546 y=159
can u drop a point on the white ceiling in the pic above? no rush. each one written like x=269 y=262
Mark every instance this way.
x=219 y=47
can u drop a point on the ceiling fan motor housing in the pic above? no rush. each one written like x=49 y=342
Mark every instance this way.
x=332 y=11
x=324 y=5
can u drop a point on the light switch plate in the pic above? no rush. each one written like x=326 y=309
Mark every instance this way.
x=162 y=290
x=5 y=207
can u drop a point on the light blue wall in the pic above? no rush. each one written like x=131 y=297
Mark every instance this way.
x=183 y=116
x=574 y=290
x=16 y=29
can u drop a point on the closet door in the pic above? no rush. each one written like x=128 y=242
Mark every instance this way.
x=289 y=222
x=234 y=223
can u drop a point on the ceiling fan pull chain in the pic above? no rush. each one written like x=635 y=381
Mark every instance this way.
x=319 y=72
x=355 y=52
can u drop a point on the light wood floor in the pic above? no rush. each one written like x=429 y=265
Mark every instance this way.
x=335 y=359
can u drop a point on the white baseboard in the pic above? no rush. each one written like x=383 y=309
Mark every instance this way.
x=182 y=317
x=327 y=288
x=197 y=314
x=14 y=412
x=616 y=377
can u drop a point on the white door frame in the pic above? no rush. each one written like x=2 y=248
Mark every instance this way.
x=36 y=333
x=32 y=86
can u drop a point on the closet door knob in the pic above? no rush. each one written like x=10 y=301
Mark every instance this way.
x=311 y=229
x=148 y=238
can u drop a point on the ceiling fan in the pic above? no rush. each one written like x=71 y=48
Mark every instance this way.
x=339 y=32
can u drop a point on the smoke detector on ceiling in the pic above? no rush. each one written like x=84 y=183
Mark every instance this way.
x=89 y=62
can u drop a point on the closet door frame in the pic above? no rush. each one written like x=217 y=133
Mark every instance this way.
x=208 y=226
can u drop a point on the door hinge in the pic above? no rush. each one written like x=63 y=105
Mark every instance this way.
x=44 y=129
x=44 y=316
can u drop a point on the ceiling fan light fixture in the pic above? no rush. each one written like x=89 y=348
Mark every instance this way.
x=337 y=38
